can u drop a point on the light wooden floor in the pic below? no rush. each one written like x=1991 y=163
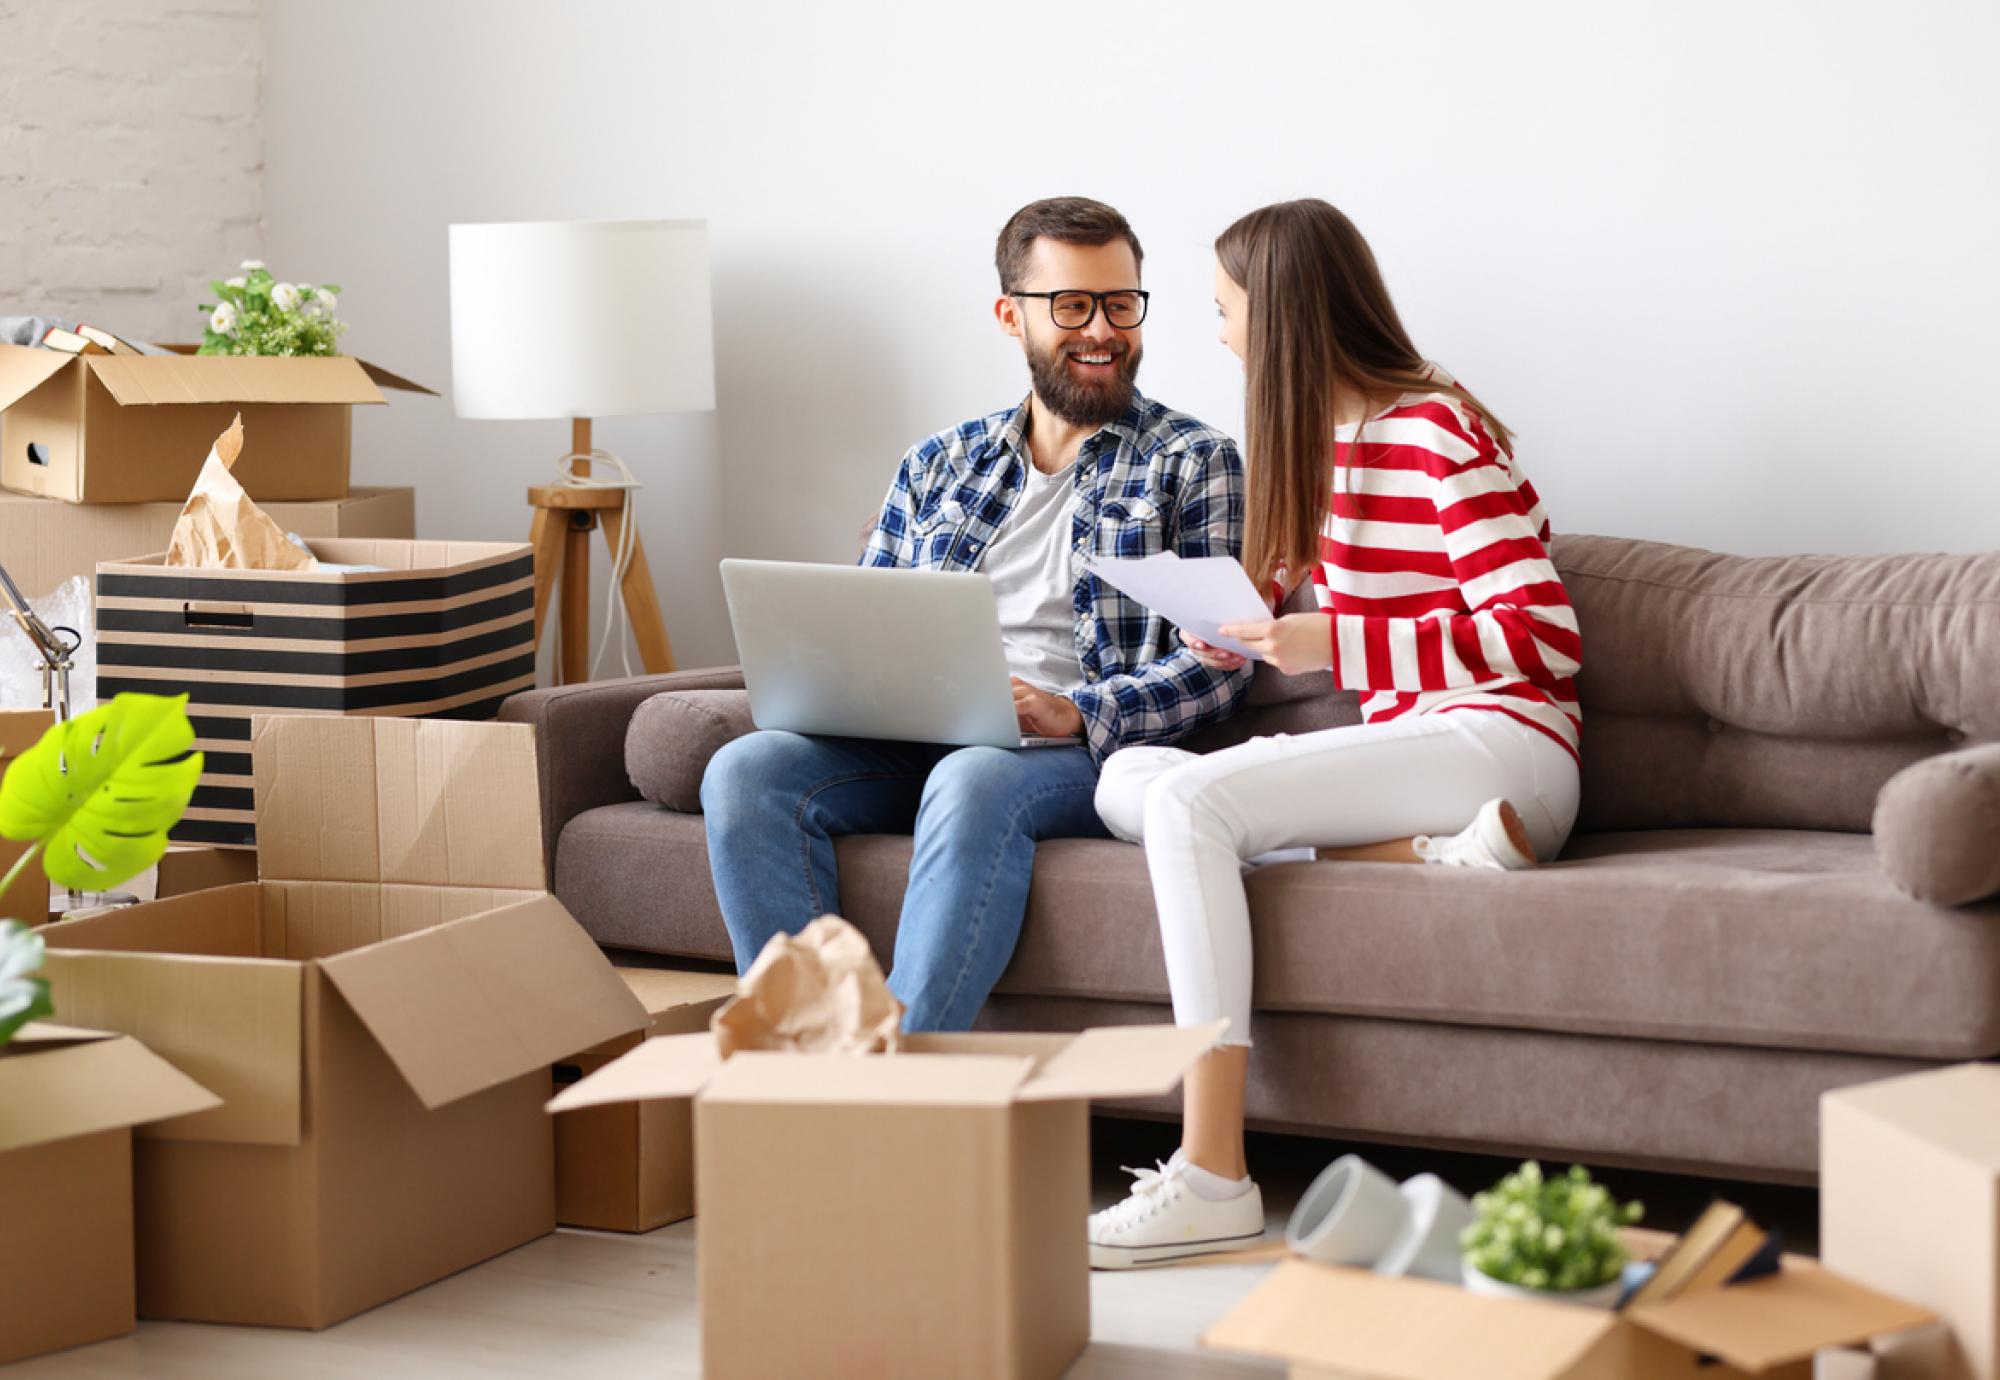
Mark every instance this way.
x=605 y=1306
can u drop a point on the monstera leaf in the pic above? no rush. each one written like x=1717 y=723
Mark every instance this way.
x=100 y=791
x=23 y=996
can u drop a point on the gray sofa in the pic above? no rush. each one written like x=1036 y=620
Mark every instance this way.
x=1779 y=883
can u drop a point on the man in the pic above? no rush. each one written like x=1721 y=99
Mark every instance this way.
x=1085 y=465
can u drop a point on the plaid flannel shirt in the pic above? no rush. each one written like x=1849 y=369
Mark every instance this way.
x=1154 y=480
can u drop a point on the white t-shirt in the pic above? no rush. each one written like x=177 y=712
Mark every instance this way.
x=1033 y=584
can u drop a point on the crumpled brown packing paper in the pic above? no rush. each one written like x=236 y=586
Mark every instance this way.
x=819 y=991
x=220 y=527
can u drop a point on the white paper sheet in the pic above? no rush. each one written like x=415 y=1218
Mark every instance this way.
x=1198 y=595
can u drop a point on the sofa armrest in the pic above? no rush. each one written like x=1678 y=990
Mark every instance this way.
x=580 y=740
x=1937 y=826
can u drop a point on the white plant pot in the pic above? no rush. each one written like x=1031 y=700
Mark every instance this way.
x=1603 y=1296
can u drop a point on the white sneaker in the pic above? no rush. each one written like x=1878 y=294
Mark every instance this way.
x=1165 y=1219
x=1496 y=838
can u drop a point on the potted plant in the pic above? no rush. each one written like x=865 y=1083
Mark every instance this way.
x=255 y=314
x=1538 y=1237
x=95 y=797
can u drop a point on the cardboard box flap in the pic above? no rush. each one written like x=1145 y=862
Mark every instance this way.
x=179 y=975
x=1356 y=1323
x=1122 y=1061
x=902 y=1080
x=661 y=990
x=24 y=368
x=663 y=1067
x=1771 y=1321
x=388 y=380
x=473 y=1003
x=54 y=1086
x=165 y=380
x=433 y=802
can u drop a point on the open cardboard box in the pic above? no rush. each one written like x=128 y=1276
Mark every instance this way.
x=915 y=1215
x=631 y=1167
x=379 y=1014
x=136 y=428
x=68 y=1101
x=1328 y=1320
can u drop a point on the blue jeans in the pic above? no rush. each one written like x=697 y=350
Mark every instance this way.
x=775 y=801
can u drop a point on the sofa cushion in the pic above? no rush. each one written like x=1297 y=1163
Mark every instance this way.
x=673 y=735
x=1772 y=691
x=1780 y=938
x=1937 y=827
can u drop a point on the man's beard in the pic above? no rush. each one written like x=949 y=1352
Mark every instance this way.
x=1084 y=402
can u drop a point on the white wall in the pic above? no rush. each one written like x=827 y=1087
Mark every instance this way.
x=130 y=153
x=1728 y=268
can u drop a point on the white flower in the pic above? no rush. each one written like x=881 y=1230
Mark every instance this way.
x=327 y=301
x=20 y=958
x=251 y=265
x=223 y=322
x=233 y=282
x=284 y=297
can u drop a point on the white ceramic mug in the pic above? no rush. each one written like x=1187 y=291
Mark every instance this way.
x=1349 y=1216
x=1427 y=1246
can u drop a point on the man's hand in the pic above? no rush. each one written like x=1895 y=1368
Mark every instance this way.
x=1043 y=715
x=1296 y=643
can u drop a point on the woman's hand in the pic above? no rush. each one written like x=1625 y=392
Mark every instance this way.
x=1294 y=644
x=1215 y=658
x=1042 y=715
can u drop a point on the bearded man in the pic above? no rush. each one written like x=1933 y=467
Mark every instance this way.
x=1085 y=465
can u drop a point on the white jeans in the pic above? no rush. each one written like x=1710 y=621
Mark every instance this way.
x=1200 y=816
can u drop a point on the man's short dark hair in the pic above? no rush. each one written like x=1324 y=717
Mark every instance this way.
x=1065 y=219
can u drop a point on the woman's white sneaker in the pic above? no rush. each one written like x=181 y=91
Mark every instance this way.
x=1165 y=1219
x=1496 y=838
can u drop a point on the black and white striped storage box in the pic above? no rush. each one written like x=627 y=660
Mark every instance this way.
x=445 y=631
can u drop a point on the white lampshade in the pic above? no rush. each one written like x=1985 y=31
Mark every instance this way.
x=581 y=319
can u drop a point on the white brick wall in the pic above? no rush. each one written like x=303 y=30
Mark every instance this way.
x=131 y=158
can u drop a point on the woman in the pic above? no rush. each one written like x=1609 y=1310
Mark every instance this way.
x=1378 y=477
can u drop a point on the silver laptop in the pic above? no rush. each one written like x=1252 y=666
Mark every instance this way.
x=869 y=652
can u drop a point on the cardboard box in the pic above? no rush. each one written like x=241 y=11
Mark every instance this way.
x=1360 y=1325
x=446 y=631
x=136 y=428
x=27 y=900
x=187 y=867
x=911 y=1215
x=631 y=1167
x=379 y=1014
x=44 y=542
x=68 y=1101
x=1923 y=1353
x=1909 y=1198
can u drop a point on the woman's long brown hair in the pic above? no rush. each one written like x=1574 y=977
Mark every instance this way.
x=1322 y=330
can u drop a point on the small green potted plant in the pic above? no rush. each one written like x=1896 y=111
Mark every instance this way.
x=95 y=797
x=1538 y=1237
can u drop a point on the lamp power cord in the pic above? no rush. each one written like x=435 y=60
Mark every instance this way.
x=621 y=553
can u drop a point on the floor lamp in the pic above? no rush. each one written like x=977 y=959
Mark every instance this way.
x=584 y=319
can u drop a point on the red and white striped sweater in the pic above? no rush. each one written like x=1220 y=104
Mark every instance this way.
x=1436 y=576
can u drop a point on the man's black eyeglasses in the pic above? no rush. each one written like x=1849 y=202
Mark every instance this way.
x=1073 y=309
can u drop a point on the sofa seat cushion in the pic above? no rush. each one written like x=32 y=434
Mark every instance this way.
x=1782 y=938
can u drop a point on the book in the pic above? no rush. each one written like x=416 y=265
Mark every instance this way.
x=70 y=343
x=111 y=343
x=1708 y=1254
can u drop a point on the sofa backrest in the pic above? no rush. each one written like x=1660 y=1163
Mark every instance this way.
x=1743 y=691
x=1772 y=691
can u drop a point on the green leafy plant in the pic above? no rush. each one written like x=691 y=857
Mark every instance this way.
x=1557 y=1234
x=95 y=797
x=255 y=314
